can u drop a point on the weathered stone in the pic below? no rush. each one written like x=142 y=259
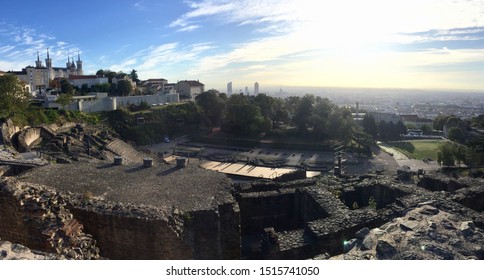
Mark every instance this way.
x=362 y=233
x=441 y=252
x=428 y=210
x=409 y=225
x=368 y=243
x=447 y=224
x=467 y=228
x=385 y=250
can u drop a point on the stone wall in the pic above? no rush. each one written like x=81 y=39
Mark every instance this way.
x=267 y=209
x=8 y=130
x=36 y=217
x=127 y=233
x=140 y=232
x=26 y=137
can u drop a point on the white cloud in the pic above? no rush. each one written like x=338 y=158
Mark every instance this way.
x=154 y=60
x=123 y=66
x=189 y=28
x=22 y=45
x=5 y=49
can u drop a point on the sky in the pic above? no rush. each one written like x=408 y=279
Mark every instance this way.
x=421 y=44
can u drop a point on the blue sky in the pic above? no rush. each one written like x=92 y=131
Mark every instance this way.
x=427 y=44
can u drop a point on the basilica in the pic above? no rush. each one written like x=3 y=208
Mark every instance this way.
x=38 y=78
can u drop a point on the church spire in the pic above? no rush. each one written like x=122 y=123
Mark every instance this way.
x=68 y=64
x=38 y=63
x=79 y=64
x=48 y=61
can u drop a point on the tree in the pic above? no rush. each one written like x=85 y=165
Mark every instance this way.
x=106 y=73
x=369 y=126
x=54 y=84
x=66 y=87
x=446 y=154
x=303 y=113
x=212 y=106
x=439 y=121
x=84 y=88
x=456 y=134
x=124 y=87
x=243 y=118
x=64 y=100
x=13 y=96
x=401 y=128
x=281 y=113
x=134 y=77
x=426 y=129
x=266 y=105
x=101 y=87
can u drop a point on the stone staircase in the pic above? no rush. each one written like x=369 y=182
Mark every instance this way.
x=126 y=151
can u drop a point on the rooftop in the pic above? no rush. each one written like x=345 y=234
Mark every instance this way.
x=163 y=186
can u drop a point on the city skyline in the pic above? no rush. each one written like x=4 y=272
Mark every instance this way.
x=378 y=44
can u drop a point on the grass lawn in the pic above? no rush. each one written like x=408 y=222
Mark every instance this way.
x=419 y=149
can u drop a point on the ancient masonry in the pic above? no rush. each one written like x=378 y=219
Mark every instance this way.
x=312 y=218
x=38 y=218
x=92 y=208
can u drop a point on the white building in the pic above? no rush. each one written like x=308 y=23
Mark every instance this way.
x=39 y=77
x=256 y=88
x=229 y=88
x=189 y=89
x=89 y=80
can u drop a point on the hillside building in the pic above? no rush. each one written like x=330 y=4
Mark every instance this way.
x=38 y=78
x=189 y=89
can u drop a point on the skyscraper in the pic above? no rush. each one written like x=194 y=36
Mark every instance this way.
x=256 y=88
x=229 y=88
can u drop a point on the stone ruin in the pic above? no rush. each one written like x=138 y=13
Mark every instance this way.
x=39 y=219
x=329 y=216
x=91 y=209
x=361 y=217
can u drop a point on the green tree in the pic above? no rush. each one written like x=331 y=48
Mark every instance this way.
x=401 y=128
x=66 y=87
x=439 y=121
x=121 y=75
x=101 y=87
x=369 y=126
x=64 y=100
x=447 y=154
x=84 y=88
x=426 y=129
x=134 y=76
x=281 y=113
x=124 y=88
x=212 y=107
x=106 y=73
x=456 y=134
x=13 y=96
x=243 y=118
x=303 y=113
x=266 y=105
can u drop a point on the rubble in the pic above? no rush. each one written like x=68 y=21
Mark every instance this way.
x=38 y=217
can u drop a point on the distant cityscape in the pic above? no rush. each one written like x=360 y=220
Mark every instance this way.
x=426 y=104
